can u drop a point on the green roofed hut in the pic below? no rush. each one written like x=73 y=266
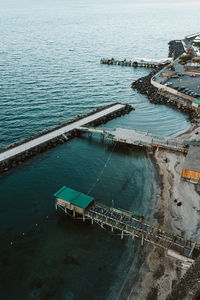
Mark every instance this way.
x=69 y=199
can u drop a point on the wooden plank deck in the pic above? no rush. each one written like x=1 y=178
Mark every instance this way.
x=128 y=224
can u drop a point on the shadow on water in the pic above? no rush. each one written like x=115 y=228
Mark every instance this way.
x=50 y=261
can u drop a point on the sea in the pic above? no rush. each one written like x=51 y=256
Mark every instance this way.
x=50 y=72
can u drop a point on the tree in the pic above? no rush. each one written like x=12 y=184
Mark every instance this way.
x=185 y=58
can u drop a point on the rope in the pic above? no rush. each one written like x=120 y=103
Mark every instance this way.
x=102 y=171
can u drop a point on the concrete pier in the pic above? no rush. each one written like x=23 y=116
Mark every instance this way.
x=17 y=153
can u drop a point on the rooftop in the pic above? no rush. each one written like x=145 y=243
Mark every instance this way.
x=76 y=198
x=197 y=101
x=192 y=161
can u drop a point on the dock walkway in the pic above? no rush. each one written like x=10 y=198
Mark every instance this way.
x=135 y=226
x=139 y=138
x=126 y=63
x=7 y=154
x=128 y=223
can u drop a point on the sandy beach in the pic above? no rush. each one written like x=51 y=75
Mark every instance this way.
x=178 y=209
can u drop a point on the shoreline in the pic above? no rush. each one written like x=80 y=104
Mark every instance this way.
x=178 y=209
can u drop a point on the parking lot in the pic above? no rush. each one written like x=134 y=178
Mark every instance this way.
x=180 y=79
x=191 y=83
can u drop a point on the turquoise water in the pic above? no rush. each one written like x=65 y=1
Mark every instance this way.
x=50 y=72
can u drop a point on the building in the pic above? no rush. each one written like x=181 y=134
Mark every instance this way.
x=192 y=67
x=196 y=103
x=196 y=48
x=191 y=166
x=71 y=200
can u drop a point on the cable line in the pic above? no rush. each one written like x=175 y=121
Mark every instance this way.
x=102 y=171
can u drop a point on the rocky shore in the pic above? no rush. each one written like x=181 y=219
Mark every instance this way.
x=188 y=287
x=178 y=206
x=144 y=86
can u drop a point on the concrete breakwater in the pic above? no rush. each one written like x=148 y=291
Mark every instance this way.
x=128 y=63
x=144 y=86
x=19 y=152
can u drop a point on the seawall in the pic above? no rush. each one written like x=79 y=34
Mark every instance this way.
x=144 y=86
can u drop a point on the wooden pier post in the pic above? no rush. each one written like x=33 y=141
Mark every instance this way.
x=142 y=240
x=112 y=228
x=133 y=235
x=92 y=221
x=74 y=213
x=122 y=235
x=83 y=216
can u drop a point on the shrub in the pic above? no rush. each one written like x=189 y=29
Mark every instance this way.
x=196 y=59
x=185 y=58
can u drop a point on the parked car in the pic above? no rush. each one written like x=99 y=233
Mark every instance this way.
x=168 y=83
x=181 y=88
x=193 y=75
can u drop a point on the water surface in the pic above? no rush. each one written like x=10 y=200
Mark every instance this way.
x=50 y=72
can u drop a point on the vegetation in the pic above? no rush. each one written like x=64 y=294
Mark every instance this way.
x=196 y=59
x=184 y=59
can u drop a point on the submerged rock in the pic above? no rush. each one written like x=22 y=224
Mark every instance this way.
x=70 y=260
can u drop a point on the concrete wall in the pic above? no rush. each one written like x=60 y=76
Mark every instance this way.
x=172 y=91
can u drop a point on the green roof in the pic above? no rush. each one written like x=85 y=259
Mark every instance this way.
x=197 y=101
x=74 y=197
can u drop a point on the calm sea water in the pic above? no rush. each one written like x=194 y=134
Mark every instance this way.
x=50 y=72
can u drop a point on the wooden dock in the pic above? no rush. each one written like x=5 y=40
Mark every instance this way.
x=129 y=63
x=127 y=223
x=139 y=138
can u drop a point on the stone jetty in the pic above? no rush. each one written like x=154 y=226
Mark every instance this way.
x=19 y=152
x=144 y=86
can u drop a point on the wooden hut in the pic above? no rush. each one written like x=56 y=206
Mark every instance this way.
x=191 y=166
x=69 y=199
